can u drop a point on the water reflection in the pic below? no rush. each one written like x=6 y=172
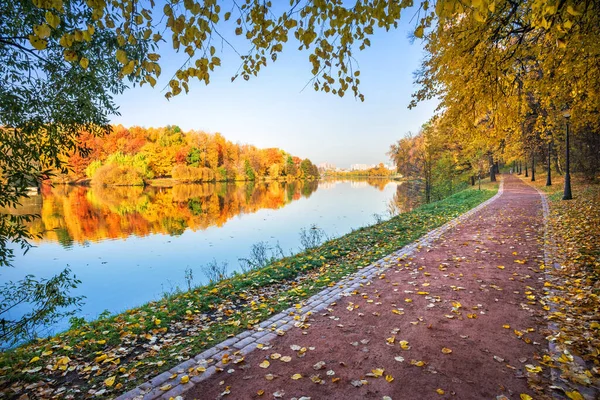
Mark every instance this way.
x=76 y=214
x=409 y=195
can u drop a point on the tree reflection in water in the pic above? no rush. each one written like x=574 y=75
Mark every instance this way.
x=409 y=195
x=76 y=214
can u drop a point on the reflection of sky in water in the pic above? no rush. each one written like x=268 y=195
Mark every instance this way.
x=121 y=273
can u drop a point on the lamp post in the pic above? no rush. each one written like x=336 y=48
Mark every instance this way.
x=567 y=191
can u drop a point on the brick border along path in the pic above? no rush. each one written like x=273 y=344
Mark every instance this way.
x=268 y=330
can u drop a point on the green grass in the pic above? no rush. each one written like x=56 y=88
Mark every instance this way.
x=184 y=324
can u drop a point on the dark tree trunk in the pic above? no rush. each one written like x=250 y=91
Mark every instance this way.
x=567 y=195
x=549 y=177
x=526 y=173
x=497 y=166
x=492 y=169
x=533 y=168
x=472 y=180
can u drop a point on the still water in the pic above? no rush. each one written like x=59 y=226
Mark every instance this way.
x=129 y=245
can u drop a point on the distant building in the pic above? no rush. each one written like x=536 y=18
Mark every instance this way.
x=361 y=167
x=327 y=167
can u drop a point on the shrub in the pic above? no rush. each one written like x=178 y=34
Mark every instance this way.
x=112 y=174
x=189 y=174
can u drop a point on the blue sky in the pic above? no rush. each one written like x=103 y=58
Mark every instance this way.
x=271 y=110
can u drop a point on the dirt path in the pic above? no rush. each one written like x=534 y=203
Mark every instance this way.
x=466 y=307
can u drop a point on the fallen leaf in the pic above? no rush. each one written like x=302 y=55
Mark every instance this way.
x=110 y=381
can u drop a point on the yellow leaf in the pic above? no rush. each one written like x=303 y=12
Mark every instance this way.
x=286 y=359
x=184 y=379
x=37 y=43
x=122 y=58
x=574 y=395
x=260 y=392
x=524 y=396
x=126 y=70
x=573 y=11
x=63 y=361
x=101 y=341
x=264 y=364
x=446 y=350
x=500 y=266
x=166 y=387
x=34 y=359
x=47 y=353
x=440 y=391
x=42 y=31
x=419 y=32
x=377 y=372
x=389 y=378
x=533 y=369
x=296 y=377
x=52 y=20
x=391 y=340
x=109 y=381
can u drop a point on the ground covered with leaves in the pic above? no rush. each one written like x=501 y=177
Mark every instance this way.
x=110 y=355
x=574 y=283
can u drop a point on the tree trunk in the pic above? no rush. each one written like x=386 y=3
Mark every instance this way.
x=533 y=168
x=557 y=166
x=492 y=169
x=549 y=177
x=526 y=173
x=472 y=180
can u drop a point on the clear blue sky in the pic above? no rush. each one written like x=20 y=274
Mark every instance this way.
x=271 y=110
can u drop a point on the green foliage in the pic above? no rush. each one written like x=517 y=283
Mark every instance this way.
x=49 y=300
x=194 y=157
x=92 y=168
x=250 y=174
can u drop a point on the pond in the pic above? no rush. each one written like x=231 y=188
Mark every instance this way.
x=131 y=245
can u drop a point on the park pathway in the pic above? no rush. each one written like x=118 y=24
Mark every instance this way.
x=460 y=318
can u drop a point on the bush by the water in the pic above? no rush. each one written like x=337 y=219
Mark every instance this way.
x=190 y=174
x=112 y=174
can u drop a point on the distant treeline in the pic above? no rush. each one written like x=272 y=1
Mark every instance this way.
x=136 y=155
x=379 y=170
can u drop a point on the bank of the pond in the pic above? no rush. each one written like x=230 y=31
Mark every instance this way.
x=112 y=354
